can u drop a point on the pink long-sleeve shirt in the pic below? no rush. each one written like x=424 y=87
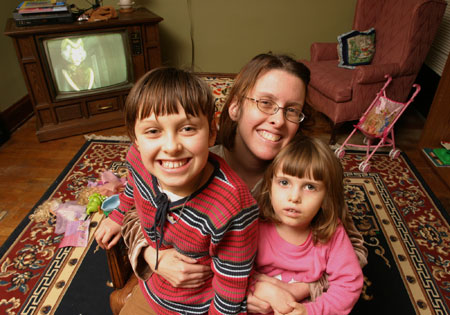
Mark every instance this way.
x=308 y=261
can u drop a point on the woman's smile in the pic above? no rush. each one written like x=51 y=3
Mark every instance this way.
x=269 y=135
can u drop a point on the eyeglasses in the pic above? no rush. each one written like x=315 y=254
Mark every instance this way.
x=270 y=107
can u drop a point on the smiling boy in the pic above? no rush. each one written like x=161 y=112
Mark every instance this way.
x=186 y=198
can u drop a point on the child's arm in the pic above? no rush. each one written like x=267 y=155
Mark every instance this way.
x=107 y=234
x=299 y=290
x=181 y=271
x=345 y=278
x=274 y=295
x=233 y=250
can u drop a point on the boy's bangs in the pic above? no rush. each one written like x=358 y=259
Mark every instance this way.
x=168 y=104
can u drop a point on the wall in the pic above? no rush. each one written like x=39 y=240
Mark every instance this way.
x=12 y=84
x=226 y=34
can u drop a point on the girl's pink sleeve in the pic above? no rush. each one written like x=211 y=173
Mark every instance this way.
x=345 y=278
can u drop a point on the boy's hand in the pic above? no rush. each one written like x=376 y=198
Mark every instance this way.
x=179 y=270
x=107 y=234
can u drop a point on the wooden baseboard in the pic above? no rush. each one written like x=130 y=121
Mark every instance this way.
x=14 y=116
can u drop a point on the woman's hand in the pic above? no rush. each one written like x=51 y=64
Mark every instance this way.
x=179 y=270
x=107 y=234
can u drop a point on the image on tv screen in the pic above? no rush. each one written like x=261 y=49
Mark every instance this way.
x=87 y=62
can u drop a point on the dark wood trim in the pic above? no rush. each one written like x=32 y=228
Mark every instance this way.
x=437 y=125
x=428 y=81
x=15 y=115
x=4 y=134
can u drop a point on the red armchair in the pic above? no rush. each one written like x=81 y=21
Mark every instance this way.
x=404 y=30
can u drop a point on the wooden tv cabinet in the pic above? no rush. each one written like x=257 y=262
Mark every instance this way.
x=57 y=118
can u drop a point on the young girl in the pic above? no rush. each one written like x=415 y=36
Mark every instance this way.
x=302 y=233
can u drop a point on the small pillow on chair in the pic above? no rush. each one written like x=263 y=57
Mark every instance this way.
x=356 y=48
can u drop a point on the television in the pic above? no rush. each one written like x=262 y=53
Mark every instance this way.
x=88 y=63
x=79 y=74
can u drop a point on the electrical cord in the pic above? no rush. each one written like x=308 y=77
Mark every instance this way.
x=77 y=11
x=191 y=33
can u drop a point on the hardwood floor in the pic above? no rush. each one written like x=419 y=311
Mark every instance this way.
x=29 y=167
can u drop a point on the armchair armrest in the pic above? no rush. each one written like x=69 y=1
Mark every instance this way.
x=324 y=51
x=375 y=73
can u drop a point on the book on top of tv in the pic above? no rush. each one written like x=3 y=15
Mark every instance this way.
x=40 y=4
x=46 y=6
x=44 y=10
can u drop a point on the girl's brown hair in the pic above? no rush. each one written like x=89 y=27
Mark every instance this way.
x=160 y=92
x=310 y=158
x=246 y=80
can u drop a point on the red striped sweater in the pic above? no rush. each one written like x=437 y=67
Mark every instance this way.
x=218 y=227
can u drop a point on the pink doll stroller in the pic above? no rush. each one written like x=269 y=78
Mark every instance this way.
x=377 y=124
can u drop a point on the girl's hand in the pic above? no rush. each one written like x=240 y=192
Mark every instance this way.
x=299 y=309
x=255 y=305
x=277 y=297
x=107 y=234
x=265 y=278
x=179 y=270
x=299 y=290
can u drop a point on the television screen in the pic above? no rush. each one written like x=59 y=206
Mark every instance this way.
x=89 y=62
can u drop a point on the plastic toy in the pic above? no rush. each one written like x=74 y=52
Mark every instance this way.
x=95 y=202
x=110 y=203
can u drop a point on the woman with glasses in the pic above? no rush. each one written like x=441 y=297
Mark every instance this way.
x=262 y=114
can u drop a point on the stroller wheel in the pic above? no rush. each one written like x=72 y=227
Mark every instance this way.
x=364 y=167
x=394 y=153
x=339 y=152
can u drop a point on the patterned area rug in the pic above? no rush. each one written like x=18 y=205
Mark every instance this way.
x=407 y=233
x=404 y=229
